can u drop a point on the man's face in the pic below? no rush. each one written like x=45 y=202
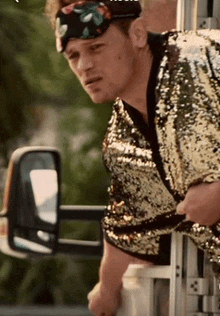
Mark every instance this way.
x=104 y=65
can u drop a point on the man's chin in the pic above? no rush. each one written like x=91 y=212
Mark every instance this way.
x=100 y=98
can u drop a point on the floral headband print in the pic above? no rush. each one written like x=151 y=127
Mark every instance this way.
x=90 y=19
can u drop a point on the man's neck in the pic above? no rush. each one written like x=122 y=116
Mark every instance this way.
x=135 y=94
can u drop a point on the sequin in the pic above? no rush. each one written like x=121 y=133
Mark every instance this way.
x=187 y=124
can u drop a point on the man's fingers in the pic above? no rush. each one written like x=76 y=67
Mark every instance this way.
x=180 y=208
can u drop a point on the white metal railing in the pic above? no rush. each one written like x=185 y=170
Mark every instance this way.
x=193 y=289
x=180 y=21
x=193 y=14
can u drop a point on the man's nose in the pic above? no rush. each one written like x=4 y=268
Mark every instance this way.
x=85 y=62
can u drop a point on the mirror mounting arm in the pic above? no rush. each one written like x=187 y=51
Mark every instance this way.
x=81 y=212
x=80 y=248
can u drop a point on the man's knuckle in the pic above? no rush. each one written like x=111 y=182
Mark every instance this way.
x=189 y=217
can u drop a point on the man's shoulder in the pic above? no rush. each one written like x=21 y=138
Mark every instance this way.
x=193 y=51
x=187 y=46
x=192 y=45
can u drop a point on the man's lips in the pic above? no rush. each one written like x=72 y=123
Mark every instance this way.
x=91 y=81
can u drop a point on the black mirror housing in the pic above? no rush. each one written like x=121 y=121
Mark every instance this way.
x=32 y=200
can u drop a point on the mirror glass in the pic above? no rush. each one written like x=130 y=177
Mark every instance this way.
x=30 y=245
x=33 y=240
x=39 y=181
x=45 y=189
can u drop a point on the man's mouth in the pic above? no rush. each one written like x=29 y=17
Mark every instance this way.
x=91 y=81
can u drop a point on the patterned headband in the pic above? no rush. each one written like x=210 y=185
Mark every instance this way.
x=90 y=19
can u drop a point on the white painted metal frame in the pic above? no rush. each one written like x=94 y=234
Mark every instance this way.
x=180 y=21
x=138 y=284
x=193 y=289
x=192 y=15
x=173 y=272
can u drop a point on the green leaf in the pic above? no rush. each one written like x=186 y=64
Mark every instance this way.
x=85 y=32
x=97 y=18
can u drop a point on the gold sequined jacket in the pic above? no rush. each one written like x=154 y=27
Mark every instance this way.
x=153 y=166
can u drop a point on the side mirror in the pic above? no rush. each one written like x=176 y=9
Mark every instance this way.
x=32 y=199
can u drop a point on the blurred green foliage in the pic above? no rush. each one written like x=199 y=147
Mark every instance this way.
x=32 y=76
x=14 y=88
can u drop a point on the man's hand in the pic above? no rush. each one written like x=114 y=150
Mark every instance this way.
x=161 y=15
x=103 y=302
x=202 y=204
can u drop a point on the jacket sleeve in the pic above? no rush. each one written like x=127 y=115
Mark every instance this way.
x=128 y=238
x=188 y=109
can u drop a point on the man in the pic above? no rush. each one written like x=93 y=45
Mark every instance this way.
x=161 y=150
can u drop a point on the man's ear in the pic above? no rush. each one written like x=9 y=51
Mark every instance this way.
x=138 y=33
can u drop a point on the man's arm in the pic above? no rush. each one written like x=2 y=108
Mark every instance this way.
x=202 y=203
x=192 y=136
x=105 y=296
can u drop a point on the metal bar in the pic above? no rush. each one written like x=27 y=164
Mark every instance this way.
x=149 y=288
x=81 y=212
x=80 y=248
x=177 y=299
x=180 y=20
x=158 y=272
x=195 y=16
x=191 y=260
x=79 y=243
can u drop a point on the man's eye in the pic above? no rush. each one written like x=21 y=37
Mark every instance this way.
x=95 y=47
x=73 y=56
